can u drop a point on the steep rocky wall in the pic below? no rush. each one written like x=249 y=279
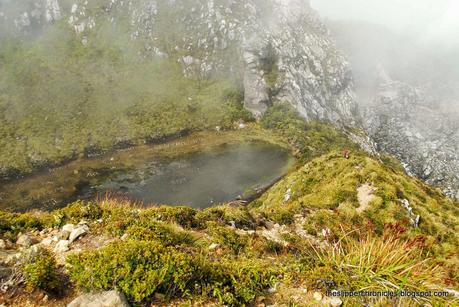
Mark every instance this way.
x=278 y=49
x=424 y=139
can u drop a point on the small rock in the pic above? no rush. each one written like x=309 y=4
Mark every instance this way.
x=46 y=241
x=68 y=227
x=317 y=296
x=2 y=244
x=26 y=240
x=107 y=299
x=124 y=237
x=273 y=289
x=78 y=232
x=63 y=235
x=335 y=302
x=214 y=246
x=62 y=246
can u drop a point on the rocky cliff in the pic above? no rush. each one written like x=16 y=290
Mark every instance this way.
x=278 y=49
x=425 y=139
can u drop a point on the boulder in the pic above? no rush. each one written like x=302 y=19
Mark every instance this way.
x=63 y=235
x=68 y=227
x=103 y=299
x=62 y=246
x=78 y=232
x=26 y=241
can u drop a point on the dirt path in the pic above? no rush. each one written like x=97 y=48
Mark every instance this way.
x=365 y=196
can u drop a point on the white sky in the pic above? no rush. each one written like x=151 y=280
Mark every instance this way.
x=433 y=21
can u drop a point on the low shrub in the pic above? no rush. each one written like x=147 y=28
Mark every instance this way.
x=138 y=268
x=76 y=212
x=13 y=223
x=228 y=238
x=184 y=216
x=167 y=234
x=224 y=215
x=40 y=271
x=239 y=282
x=141 y=269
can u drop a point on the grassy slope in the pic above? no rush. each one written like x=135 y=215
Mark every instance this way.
x=167 y=256
x=60 y=99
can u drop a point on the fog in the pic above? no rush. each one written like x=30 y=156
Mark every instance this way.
x=414 y=41
x=429 y=21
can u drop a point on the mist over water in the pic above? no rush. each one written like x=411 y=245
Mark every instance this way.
x=204 y=179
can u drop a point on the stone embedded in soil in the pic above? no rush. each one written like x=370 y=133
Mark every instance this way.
x=26 y=241
x=68 y=227
x=78 y=232
x=64 y=235
x=107 y=299
x=62 y=246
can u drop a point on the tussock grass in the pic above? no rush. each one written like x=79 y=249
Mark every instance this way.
x=373 y=263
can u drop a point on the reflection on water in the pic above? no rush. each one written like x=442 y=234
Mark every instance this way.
x=204 y=178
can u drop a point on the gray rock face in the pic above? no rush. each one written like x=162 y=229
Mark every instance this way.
x=103 y=299
x=278 y=49
x=424 y=139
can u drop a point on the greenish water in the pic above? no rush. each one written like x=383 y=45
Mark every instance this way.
x=200 y=179
x=204 y=178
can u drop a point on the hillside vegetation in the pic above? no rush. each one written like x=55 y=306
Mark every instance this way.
x=71 y=100
x=306 y=235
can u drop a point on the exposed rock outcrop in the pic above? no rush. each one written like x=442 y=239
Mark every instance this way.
x=278 y=49
x=424 y=139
